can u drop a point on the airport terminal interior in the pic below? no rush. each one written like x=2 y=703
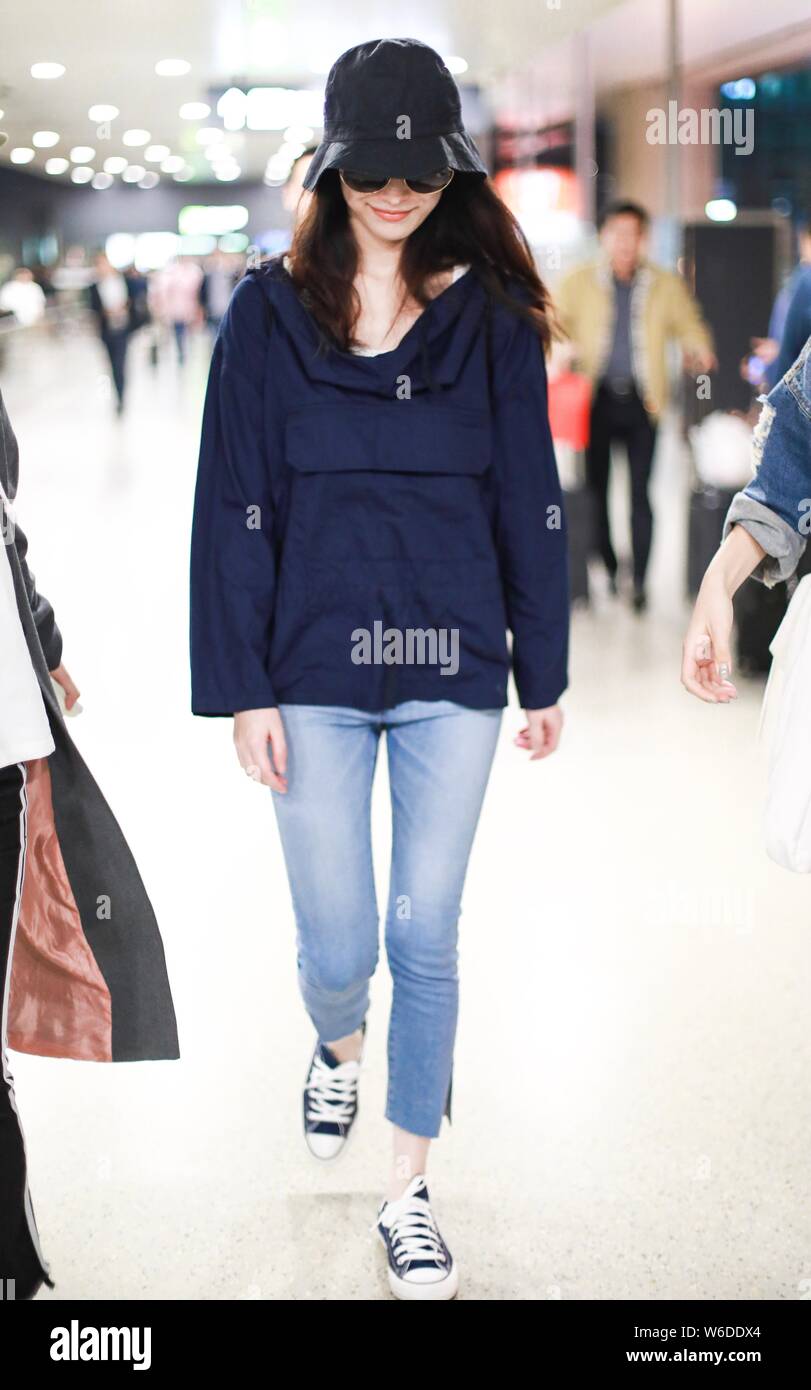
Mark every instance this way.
x=630 y=1105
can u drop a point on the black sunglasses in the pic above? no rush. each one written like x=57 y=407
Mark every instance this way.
x=369 y=183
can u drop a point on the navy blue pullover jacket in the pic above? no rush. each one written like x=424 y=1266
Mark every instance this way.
x=406 y=493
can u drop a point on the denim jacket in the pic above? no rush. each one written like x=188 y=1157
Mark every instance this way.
x=775 y=507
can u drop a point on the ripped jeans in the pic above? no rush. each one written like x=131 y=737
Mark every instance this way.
x=439 y=759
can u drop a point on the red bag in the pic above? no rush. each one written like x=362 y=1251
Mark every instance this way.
x=570 y=409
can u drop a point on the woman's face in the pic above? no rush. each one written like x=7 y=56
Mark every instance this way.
x=393 y=213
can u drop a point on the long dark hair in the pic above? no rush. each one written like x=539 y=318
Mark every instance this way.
x=470 y=225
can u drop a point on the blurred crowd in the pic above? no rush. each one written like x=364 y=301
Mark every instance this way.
x=611 y=376
x=185 y=295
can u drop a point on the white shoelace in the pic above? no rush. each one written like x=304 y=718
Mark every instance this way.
x=414 y=1234
x=331 y=1092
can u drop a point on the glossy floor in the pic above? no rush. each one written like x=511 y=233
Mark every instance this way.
x=631 y=1096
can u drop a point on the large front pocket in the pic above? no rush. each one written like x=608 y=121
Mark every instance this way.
x=397 y=484
x=408 y=436
x=388 y=520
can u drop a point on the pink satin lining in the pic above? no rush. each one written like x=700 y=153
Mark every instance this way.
x=59 y=1003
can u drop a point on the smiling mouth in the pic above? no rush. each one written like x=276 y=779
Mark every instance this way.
x=391 y=214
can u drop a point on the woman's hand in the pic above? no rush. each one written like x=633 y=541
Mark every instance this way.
x=706 y=653
x=542 y=733
x=63 y=678
x=254 y=729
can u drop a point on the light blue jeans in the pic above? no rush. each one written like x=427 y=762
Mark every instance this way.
x=439 y=756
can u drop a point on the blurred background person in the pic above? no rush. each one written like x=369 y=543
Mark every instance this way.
x=174 y=298
x=620 y=312
x=216 y=287
x=23 y=297
x=111 y=303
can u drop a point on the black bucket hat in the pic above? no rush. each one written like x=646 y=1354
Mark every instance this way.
x=392 y=109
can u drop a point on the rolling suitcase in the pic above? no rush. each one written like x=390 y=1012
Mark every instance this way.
x=758 y=614
x=578 y=505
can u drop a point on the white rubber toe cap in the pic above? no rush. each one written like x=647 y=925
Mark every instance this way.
x=325 y=1145
x=423 y=1284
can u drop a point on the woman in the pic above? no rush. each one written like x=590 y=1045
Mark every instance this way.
x=82 y=961
x=376 y=503
x=765 y=532
x=174 y=299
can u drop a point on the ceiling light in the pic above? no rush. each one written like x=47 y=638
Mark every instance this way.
x=133 y=173
x=217 y=150
x=21 y=155
x=183 y=175
x=194 y=111
x=120 y=249
x=299 y=134
x=81 y=153
x=196 y=220
x=208 y=133
x=227 y=175
x=275 y=108
x=172 y=67
x=154 y=249
x=150 y=179
x=82 y=173
x=44 y=139
x=103 y=113
x=101 y=181
x=456 y=64
x=135 y=137
x=46 y=71
x=173 y=164
x=56 y=166
x=115 y=164
x=232 y=107
x=721 y=210
x=155 y=153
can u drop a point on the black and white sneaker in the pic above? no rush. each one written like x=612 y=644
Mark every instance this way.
x=420 y=1263
x=330 y=1102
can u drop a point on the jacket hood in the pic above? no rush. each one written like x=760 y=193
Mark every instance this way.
x=432 y=352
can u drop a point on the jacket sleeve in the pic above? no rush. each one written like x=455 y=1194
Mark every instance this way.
x=232 y=551
x=531 y=526
x=565 y=299
x=49 y=635
x=686 y=319
x=775 y=507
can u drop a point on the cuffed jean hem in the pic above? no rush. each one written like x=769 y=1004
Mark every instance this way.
x=335 y=1014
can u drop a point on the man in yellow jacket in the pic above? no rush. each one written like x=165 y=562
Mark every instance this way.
x=620 y=312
